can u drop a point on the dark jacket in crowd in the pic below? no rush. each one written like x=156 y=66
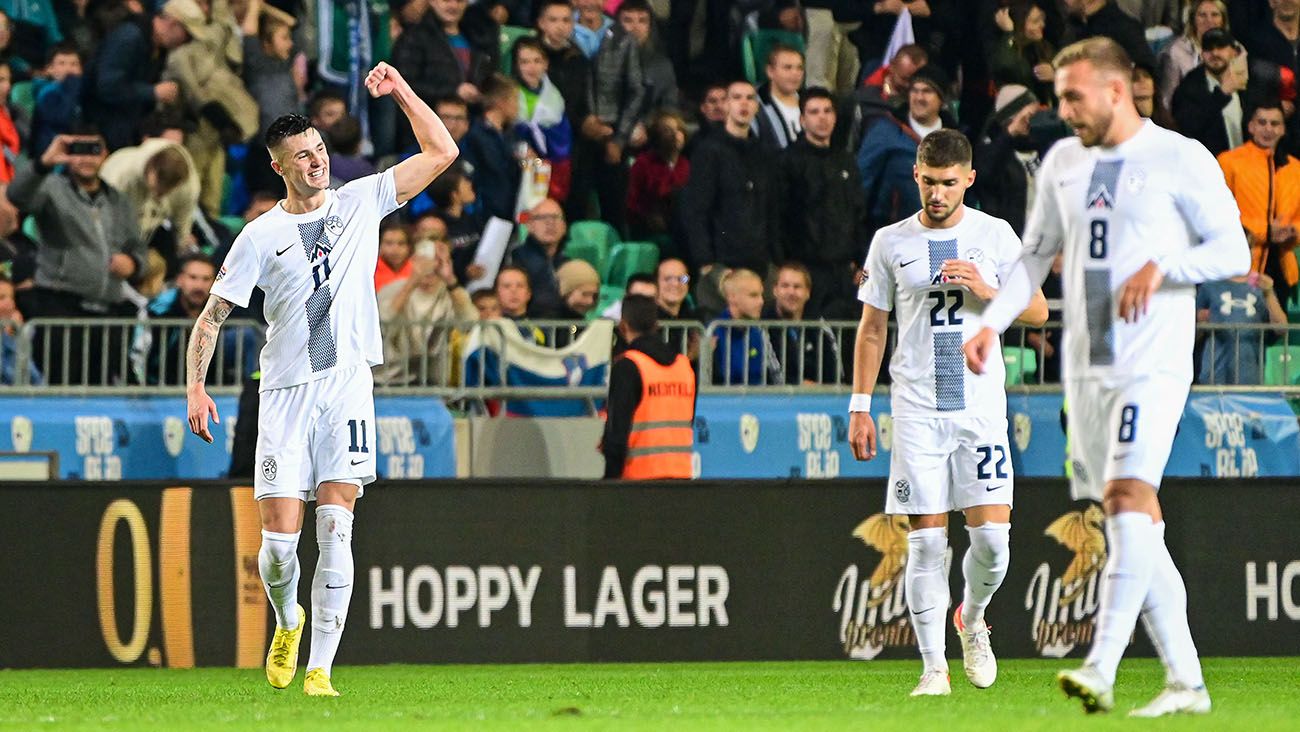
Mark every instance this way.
x=660 y=79
x=625 y=397
x=570 y=72
x=618 y=93
x=490 y=154
x=885 y=162
x=770 y=124
x=1198 y=109
x=813 y=339
x=1002 y=186
x=79 y=234
x=729 y=208
x=531 y=256
x=824 y=217
x=1117 y=25
x=424 y=57
x=119 y=84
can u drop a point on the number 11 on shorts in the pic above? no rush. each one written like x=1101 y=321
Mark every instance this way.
x=353 y=428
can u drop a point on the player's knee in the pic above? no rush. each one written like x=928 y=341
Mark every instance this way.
x=333 y=525
x=926 y=548
x=277 y=553
x=990 y=544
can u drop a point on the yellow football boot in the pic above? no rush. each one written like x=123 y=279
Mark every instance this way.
x=318 y=684
x=282 y=658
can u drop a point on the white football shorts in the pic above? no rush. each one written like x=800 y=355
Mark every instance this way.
x=319 y=432
x=1121 y=430
x=942 y=465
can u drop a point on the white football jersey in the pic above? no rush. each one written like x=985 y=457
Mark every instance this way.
x=1157 y=196
x=930 y=378
x=318 y=272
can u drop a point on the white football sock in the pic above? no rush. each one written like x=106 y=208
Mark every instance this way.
x=1164 y=614
x=331 y=587
x=927 y=593
x=277 y=562
x=984 y=566
x=1124 y=584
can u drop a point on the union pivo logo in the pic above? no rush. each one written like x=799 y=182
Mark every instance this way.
x=873 y=611
x=1063 y=607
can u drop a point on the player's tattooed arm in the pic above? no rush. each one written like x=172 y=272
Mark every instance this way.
x=203 y=339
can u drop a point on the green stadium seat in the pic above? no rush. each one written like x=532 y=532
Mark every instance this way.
x=757 y=44
x=31 y=230
x=629 y=258
x=510 y=34
x=21 y=96
x=1293 y=310
x=591 y=241
x=1282 y=365
x=1020 y=362
x=609 y=295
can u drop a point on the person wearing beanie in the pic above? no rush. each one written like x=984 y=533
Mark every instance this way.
x=1006 y=157
x=888 y=150
x=1212 y=103
x=579 y=288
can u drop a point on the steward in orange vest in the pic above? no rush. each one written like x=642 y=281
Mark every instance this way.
x=649 y=432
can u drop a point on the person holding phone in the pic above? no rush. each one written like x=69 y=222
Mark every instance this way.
x=1212 y=103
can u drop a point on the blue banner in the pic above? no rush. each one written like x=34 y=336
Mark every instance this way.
x=1221 y=435
x=144 y=438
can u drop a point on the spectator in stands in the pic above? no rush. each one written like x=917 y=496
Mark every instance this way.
x=742 y=354
x=1022 y=55
x=807 y=353
x=658 y=175
x=346 y=161
x=729 y=208
x=165 y=363
x=579 y=286
x=1276 y=41
x=657 y=69
x=453 y=192
x=487 y=304
x=651 y=405
x=567 y=66
x=1007 y=159
x=454 y=113
x=542 y=119
x=1088 y=18
x=57 y=96
x=449 y=52
x=824 y=217
x=159 y=178
x=326 y=108
x=778 y=118
x=882 y=94
x=541 y=254
x=618 y=96
x=419 y=311
x=10 y=142
x=713 y=105
x=488 y=149
x=1148 y=102
x=11 y=320
x=638 y=284
x=513 y=296
x=122 y=82
x=591 y=26
x=1265 y=181
x=1232 y=356
x=21 y=67
x=428 y=225
x=833 y=62
x=394 y=253
x=888 y=151
x=1184 y=54
x=1210 y=101
x=672 y=296
x=269 y=76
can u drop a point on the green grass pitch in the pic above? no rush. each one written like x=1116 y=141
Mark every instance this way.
x=1249 y=694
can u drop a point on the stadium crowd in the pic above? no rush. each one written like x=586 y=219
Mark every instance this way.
x=730 y=159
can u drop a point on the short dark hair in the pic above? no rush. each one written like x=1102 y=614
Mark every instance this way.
x=193 y=257
x=319 y=99
x=511 y=268
x=62 y=48
x=1268 y=103
x=286 y=125
x=780 y=48
x=444 y=186
x=345 y=135
x=449 y=99
x=162 y=119
x=641 y=314
x=635 y=6
x=390 y=222
x=268 y=28
x=541 y=7
x=943 y=148
x=523 y=42
x=799 y=267
x=497 y=87
x=815 y=92
x=648 y=279
x=482 y=294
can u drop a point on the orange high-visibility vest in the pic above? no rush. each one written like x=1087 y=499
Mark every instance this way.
x=662 y=436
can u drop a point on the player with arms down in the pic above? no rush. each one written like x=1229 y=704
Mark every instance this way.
x=950 y=449
x=314 y=256
x=1141 y=215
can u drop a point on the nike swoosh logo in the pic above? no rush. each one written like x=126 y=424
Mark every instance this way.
x=990 y=489
x=338 y=587
x=282 y=251
x=1121 y=456
x=904 y=264
x=990 y=584
x=928 y=609
x=358 y=462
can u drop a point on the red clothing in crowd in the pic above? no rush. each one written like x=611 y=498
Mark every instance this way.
x=385 y=274
x=651 y=185
x=9 y=142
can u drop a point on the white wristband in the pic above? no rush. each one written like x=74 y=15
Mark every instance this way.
x=860 y=403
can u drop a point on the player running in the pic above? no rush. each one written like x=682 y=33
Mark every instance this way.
x=314 y=256
x=950 y=426
x=1141 y=215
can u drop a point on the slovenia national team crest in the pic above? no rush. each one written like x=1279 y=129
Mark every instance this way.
x=1063 y=606
x=269 y=468
x=334 y=224
x=873 y=611
x=903 y=491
